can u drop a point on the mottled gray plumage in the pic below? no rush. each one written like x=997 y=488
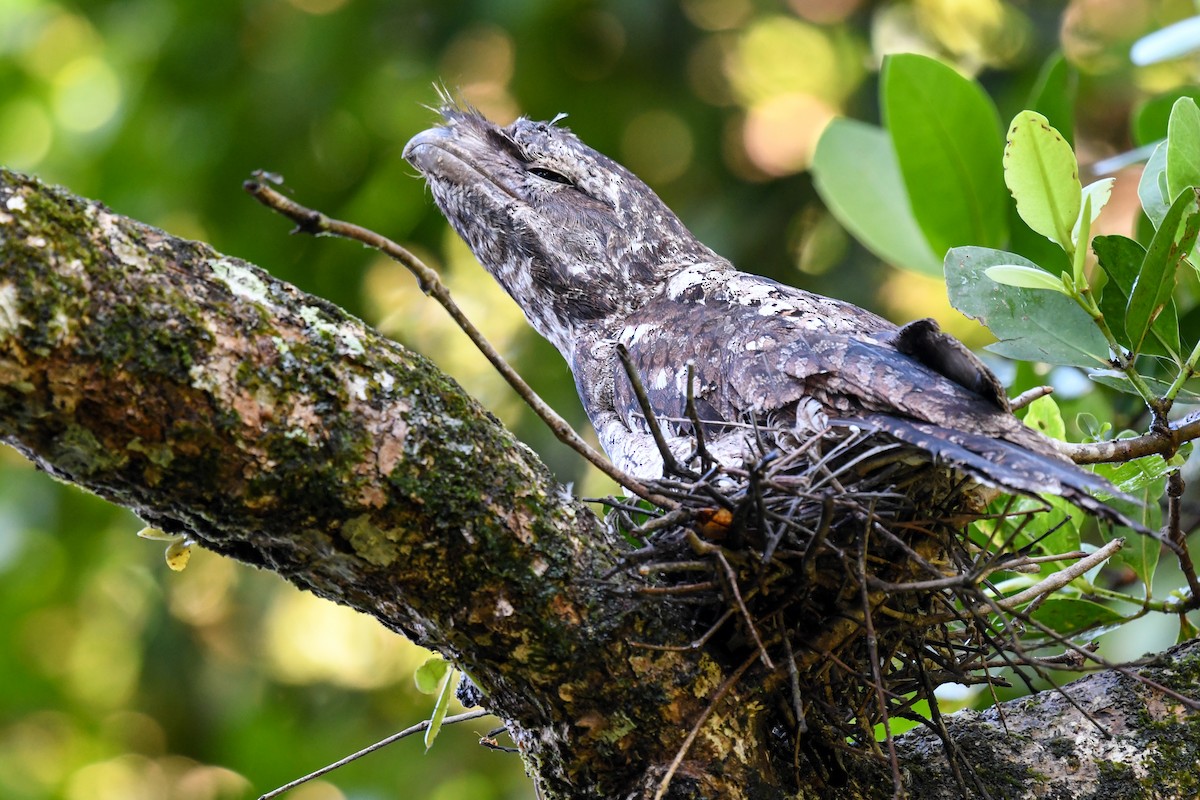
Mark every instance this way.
x=594 y=258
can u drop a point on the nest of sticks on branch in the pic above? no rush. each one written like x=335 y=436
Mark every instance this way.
x=848 y=567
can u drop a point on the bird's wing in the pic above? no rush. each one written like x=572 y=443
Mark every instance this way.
x=914 y=384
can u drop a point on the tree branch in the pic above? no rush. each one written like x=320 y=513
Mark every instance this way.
x=1157 y=442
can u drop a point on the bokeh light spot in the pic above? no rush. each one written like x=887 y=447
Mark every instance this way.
x=36 y=751
x=657 y=145
x=717 y=15
x=779 y=135
x=128 y=777
x=478 y=63
x=781 y=55
x=200 y=782
x=318 y=6
x=309 y=640
x=87 y=94
x=825 y=11
x=63 y=38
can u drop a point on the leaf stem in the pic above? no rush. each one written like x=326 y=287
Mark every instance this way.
x=1186 y=371
x=1121 y=360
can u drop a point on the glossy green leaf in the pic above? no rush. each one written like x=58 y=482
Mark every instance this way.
x=1152 y=186
x=429 y=675
x=1042 y=174
x=1042 y=526
x=1093 y=429
x=1095 y=197
x=449 y=683
x=1025 y=277
x=1150 y=120
x=856 y=174
x=946 y=133
x=1190 y=393
x=1183 y=146
x=1071 y=615
x=1121 y=258
x=1144 y=480
x=1031 y=325
x=1044 y=415
x=1156 y=279
x=1187 y=630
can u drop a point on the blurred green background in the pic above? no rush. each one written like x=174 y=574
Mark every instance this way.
x=122 y=680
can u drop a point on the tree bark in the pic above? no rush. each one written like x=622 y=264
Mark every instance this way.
x=276 y=429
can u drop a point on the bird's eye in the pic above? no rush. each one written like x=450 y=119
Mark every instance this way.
x=551 y=175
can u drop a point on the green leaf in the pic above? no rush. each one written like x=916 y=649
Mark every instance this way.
x=1042 y=174
x=1187 y=631
x=946 y=133
x=1044 y=415
x=1152 y=186
x=1042 y=526
x=856 y=174
x=1156 y=279
x=1093 y=429
x=1053 y=95
x=1143 y=479
x=1183 y=146
x=1190 y=393
x=1032 y=325
x=1072 y=615
x=1150 y=120
x=449 y=683
x=1121 y=258
x=1025 y=277
x=1098 y=193
x=430 y=674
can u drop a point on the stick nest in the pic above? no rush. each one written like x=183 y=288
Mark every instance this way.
x=847 y=566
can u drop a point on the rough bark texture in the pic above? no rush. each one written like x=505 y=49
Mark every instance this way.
x=274 y=428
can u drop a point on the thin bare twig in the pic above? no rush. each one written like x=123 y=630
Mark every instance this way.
x=873 y=657
x=1028 y=396
x=316 y=223
x=706 y=459
x=395 y=737
x=717 y=697
x=1174 y=532
x=670 y=464
x=1061 y=578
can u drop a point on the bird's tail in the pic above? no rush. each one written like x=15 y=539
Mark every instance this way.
x=1003 y=465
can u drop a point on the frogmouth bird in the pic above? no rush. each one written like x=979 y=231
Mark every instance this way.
x=595 y=259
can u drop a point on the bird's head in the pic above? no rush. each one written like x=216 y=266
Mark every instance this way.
x=574 y=237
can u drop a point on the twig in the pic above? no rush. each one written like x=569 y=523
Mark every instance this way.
x=316 y=223
x=1062 y=577
x=794 y=682
x=1164 y=442
x=1175 y=533
x=395 y=737
x=718 y=695
x=706 y=459
x=873 y=656
x=695 y=645
x=702 y=546
x=1028 y=396
x=670 y=464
